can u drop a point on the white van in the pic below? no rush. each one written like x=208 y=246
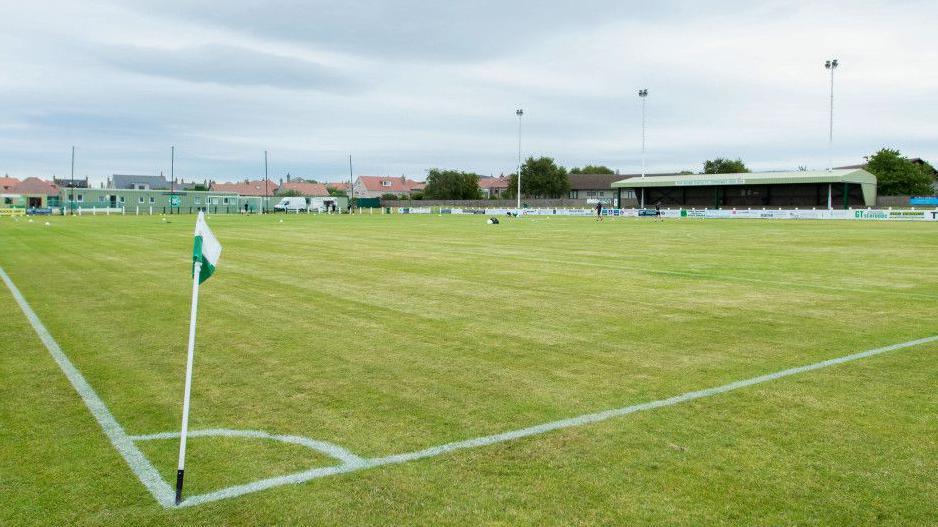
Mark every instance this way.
x=292 y=204
x=301 y=204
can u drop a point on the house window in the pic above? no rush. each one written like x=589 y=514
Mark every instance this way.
x=152 y=200
x=591 y=193
x=140 y=199
x=7 y=201
x=225 y=201
x=121 y=198
x=102 y=198
x=385 y=183
x=81 y=198
x=197 y=201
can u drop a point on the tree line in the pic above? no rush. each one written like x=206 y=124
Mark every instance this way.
x=542 y=177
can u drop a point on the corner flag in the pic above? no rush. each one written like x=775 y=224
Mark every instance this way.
x=205 y=253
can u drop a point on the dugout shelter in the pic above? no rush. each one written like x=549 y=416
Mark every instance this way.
x=844 y=188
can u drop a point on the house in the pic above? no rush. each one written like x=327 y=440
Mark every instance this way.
x=7 y=183
x=595 y=187
x=137 y=182
x=37 y=193
x=247 y=188
x=377 y=186
x=310 y=190
x=493 y=187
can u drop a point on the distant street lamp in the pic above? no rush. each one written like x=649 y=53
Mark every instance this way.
x=831 y=65
x=519 y=112
x=643 y=94
x=71 y=199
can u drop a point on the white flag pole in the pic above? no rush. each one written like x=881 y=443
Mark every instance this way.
x=196 y=270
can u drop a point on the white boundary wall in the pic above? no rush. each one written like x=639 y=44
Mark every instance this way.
x=773 y=214
x=795 y=214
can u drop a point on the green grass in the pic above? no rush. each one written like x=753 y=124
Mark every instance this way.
x=387 y=334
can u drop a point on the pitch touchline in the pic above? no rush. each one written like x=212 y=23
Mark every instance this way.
x=307 y=475
x=140 y=465
x=163 y=494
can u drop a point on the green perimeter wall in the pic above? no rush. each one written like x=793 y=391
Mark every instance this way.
x=189 y=201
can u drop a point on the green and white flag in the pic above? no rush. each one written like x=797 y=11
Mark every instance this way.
x=206 y=249
x=205 y=253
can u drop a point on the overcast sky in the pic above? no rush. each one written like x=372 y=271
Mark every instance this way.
x=410 y=85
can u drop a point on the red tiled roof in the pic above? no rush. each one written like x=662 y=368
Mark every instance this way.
x=337 y=185
x=34 y=185
x=249 y=188
x=7 y=183
x=493 y=182
x=395 y=184
x=593 y=181
x=306 y=189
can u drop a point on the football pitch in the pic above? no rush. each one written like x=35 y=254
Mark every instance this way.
x=388 y=370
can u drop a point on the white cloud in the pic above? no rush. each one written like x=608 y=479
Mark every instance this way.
x=422 y=84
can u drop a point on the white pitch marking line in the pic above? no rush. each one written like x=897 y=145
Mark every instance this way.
x=307 y=475
x=140 y=465
x=330 y=449
x=164 y=494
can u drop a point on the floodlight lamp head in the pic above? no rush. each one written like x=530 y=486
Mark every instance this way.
x=519 y=112
x=643 y=93
x=827 y=65
x=834 y=63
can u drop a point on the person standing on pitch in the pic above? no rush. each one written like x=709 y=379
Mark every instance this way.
x=599 y=211
x=658 y=212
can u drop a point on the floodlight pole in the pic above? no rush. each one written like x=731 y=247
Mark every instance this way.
x=519 y=112
x=266 y=184
x=351 y=190
x=643 y=93
x=71 y=199
x=831 y=65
